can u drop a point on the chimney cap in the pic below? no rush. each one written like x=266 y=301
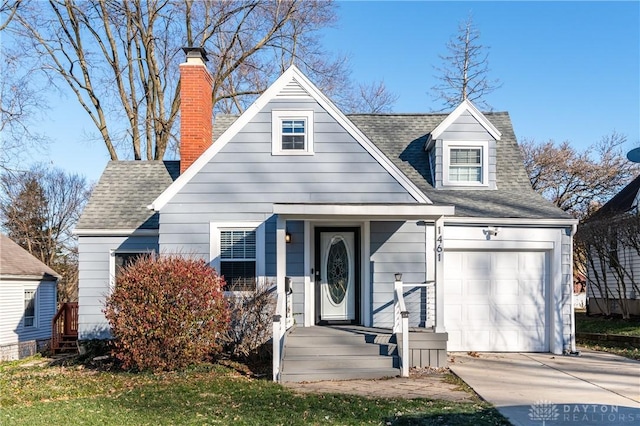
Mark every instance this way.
x=196 y=53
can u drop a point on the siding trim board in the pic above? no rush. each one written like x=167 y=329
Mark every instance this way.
x=465 y=106
x=270 y=94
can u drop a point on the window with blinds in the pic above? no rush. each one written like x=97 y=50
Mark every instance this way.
x=238 y=259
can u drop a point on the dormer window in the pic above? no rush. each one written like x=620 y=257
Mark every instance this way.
x=292 y=132
x=465 y=164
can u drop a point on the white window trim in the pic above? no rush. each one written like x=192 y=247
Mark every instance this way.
x=277 y=116
x=112 y=263
x=446 y=162
x=214 y=245
x=35 y=308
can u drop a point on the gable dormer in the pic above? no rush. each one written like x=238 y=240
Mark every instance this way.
x=462 y=150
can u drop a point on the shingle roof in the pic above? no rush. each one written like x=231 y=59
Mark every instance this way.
x=402 y=136
x=125 y=189
x=622 y=202
x=16 y=261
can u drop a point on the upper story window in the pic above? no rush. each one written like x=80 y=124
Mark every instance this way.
x=292 y=132
x=465 y=164
x=29 y=308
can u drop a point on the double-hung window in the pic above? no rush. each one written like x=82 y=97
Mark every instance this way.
x=238 y=259
x=465 y=165
x=237 y=253
x=292 y=132
x=29 y=316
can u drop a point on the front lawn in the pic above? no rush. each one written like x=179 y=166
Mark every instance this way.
x=33 y=393
x=602 y=325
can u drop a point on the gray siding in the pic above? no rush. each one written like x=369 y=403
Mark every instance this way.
x=465 y=129
x=397 y=247
x=567 y=288
x=244 y=180
x=295 y=267
x=94 y=277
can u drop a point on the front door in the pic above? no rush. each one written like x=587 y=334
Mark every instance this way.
x=337 y=271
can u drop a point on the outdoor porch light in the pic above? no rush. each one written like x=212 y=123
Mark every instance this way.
x=491 y=231
x=398 y=276
x=287 y=237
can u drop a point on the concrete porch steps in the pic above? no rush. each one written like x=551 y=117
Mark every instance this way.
x=338 y=353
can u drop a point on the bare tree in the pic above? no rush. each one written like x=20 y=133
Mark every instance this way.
x=21 y=103
x=464 y=74
x=578 y=181
x=608 y=247
x=120 y=59
x=370 y=98
x=8 y=9
x=38 y=210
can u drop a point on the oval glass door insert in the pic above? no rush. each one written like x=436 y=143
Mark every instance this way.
x=337 y=270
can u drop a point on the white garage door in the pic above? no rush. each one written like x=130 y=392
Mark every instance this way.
x=495 y=301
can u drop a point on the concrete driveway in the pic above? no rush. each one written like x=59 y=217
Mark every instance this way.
x=594 y=388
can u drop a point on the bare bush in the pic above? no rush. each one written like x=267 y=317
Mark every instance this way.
x=251 y=321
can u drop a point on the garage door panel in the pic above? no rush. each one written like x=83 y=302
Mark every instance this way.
x=533 y=288
x=531 y=315
x=504 y=315
x=507 y=287
x=453 y=288
x=531 y=261
x=506 y=261
x=496 y=301
x=478 y=288
x=476 y=262
x=478 y=316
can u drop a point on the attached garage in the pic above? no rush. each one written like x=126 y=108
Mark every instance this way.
x=497 y=300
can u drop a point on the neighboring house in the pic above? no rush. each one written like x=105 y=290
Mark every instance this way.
x=27 y=301
x=621 y=211
x=293 y=188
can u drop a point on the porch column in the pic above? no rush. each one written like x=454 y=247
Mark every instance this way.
x=439 y=273
x=281 y=255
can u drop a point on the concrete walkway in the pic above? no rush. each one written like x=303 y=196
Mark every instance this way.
x=594 y=388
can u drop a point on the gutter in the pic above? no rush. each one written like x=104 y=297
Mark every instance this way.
x=115 y=232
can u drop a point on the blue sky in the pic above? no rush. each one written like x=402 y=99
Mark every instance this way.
x=569 y=70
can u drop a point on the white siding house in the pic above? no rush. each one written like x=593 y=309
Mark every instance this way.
x=27 y=301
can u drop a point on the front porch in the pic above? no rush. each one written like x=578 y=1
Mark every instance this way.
x=404 y=321
x=355 y=352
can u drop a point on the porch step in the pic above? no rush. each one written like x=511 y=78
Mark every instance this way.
x=338 y=353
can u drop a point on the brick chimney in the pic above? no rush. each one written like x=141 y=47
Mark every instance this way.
x=196 y=109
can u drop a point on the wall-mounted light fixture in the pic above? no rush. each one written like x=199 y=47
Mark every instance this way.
x=398 y=276
x=287 y=237
x=490 y=231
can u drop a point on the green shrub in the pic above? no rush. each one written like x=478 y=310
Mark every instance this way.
x=166 y=313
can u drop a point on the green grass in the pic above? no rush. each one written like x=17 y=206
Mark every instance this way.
x=602 y=325
x=209 y=394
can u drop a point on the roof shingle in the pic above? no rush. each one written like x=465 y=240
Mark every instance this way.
x=126 y=188
x=16 y=261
